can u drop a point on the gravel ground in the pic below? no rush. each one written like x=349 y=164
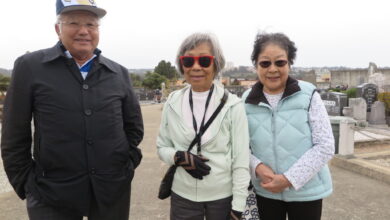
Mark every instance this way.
x=4 y=184
x=383 y=162
x=375 y=147
x=355 y=196
x=368 y=147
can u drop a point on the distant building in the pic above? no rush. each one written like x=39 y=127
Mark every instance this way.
x=225 y=81
x=247 y=83
x=228 y=66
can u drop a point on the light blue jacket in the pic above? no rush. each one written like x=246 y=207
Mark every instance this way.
x=279 y=137
x=227 y=149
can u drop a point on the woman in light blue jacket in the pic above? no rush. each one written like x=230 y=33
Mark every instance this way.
x=290 y=135
x=211 y=180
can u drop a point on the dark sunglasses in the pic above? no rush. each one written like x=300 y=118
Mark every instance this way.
x=203 y=61
x=278 y=63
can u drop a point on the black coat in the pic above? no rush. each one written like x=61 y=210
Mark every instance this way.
x=86 y=132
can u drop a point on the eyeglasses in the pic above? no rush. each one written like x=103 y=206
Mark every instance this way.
x=278 y=63
x=76 y=25
x=203 y=61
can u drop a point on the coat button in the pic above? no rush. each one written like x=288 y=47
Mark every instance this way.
x=89 y=142
x=88 y=112
x=85 y=87
x=93 y=171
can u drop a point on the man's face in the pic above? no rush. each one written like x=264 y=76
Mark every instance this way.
x=79 y=33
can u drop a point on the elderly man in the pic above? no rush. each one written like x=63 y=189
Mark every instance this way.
x=87 y=124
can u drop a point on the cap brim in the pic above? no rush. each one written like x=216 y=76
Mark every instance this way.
x=98 y=11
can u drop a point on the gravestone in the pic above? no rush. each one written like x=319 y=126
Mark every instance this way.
x=368 y=92
x=359 y=108
x=377 y=115
x=334 y=102
x=343 y=134
x=348 y=111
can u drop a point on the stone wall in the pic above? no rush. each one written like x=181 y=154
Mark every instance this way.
x=352 y=77
x=355 y=77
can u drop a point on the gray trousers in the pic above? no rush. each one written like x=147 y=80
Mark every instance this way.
x=39 y=211
x=184 y=209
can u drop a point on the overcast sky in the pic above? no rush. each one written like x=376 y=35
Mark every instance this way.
x=140 y=33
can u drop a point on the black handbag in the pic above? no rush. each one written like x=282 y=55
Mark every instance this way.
x=166 y=183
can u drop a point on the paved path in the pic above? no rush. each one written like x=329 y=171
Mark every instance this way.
x=355 y=197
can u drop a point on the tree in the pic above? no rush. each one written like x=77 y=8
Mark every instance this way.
x=153 y=80
x=166 y=69
x=136 y=80
x=4 y=83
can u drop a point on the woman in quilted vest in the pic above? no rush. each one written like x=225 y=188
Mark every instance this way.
x=290 y=135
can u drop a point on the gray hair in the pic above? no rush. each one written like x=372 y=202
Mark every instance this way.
x=193 y=41
x=61 y=16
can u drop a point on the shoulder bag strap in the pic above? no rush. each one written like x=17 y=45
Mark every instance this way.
x=211 y=119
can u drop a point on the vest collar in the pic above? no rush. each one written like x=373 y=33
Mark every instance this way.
x=256 y=95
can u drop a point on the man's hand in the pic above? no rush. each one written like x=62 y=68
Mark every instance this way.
x=193 y=164
x=277 y=185
x=265 y=173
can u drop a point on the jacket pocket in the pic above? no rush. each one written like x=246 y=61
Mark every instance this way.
x=37 y=148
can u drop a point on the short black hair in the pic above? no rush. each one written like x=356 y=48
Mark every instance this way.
x=264 y=39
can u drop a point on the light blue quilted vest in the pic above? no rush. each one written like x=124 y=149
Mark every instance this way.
x=280 y=137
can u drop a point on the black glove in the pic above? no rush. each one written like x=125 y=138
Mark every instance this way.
x=235 y=215
x=193 y=164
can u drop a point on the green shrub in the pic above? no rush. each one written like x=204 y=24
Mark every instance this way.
x=351 y=93
x=385 y=97
x=334 y=90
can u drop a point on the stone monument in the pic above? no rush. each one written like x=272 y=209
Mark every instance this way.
x=376 y=77
x=334 y=102
x=377 y=115
x=369 y=92
x=359 y=108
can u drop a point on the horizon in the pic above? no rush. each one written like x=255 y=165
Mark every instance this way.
x=292 y=67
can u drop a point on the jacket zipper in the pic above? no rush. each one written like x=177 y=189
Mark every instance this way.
x=274 y=139
x=276 y=110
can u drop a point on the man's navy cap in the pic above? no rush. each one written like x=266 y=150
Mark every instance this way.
x=76 y=5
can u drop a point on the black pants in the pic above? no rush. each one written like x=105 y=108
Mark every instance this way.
x=40 y=211
x=184 y=209
x=270 y=209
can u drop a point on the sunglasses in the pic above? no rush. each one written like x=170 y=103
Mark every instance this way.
x=278 y=63
x=203 y=61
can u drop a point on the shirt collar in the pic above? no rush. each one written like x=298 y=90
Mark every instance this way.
x=68 y=55
x=59 y=51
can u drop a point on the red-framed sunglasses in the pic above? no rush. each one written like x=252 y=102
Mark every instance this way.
x=203 y=61
x=278 y=63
